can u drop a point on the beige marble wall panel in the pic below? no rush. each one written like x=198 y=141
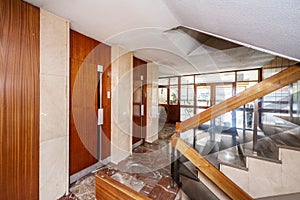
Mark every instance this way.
x=264 y=178
x=54 y=106
x=53 y=117
x=152 y=102
x=122 y=65
x=52 y=168
x=238 y=176
x=290 y=170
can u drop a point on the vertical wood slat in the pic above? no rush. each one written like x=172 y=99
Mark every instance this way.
x=19 y=100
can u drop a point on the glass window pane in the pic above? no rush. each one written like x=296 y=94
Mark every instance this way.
x=296 y=99
x=215 y=78
x=187 y=95
x=224 y=120
x=251 y=75
x=163 y=81
x=272 y=71
x=278 y=100
x=241 y=86
x=187 y=80
x=186 y=113
x=173 y=95
x=162 y=95
x=174 y=81
x=223 y=92
x=203 y=95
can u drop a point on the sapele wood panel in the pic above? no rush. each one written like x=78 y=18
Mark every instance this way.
x=86 y=54
x=139 y=69
x=108 y=188
x=19 y=100
x=212 y=173
x=283 y=78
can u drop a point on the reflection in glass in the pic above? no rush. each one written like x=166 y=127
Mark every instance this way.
x=250 y=75
x=215 y=78
x=187 y=80
x=203 y=96
x=173 y=95
x=187 y=95
x=174 y=81
x=163 y=96
x=163 y=81
x=186 y=112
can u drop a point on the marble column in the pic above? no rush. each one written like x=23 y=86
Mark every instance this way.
x=54 y=106
x=152 y=102
x=121 y=98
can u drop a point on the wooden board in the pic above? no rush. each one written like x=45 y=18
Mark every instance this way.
x=283 y=78
x=212 y=173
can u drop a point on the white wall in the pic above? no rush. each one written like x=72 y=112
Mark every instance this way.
x=121 y=98
x=152 y=102
x=54 y=106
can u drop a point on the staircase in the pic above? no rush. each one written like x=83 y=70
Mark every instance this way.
x=235 y=167
x=270 y=168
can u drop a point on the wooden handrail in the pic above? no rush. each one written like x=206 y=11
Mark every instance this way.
x=283 y=78
x=107 y=188
x=212 y=173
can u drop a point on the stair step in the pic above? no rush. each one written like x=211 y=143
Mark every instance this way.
x=289 y=139
x=232 y=157
x=265 y=149
x=293 y=120
x=210 y=145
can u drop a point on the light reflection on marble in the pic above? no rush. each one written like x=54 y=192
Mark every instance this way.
x=147 y=171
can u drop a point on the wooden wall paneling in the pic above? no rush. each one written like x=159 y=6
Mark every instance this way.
x=19 y=100
x=139 y=68
x=86 y=54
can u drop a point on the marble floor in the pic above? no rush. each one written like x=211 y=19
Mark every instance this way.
x=147 y=171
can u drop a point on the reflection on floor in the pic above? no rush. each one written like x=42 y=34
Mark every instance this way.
x=147 y=171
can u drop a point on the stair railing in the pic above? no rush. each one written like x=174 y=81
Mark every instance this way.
x=271 y=84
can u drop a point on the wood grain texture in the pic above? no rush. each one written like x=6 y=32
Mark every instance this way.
x=212 y=173
x=86 y=54
x=108 y=188
x=139 y=69
x=19 y=100
x=283 y=78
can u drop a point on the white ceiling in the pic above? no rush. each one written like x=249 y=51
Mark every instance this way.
x=144 y=26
